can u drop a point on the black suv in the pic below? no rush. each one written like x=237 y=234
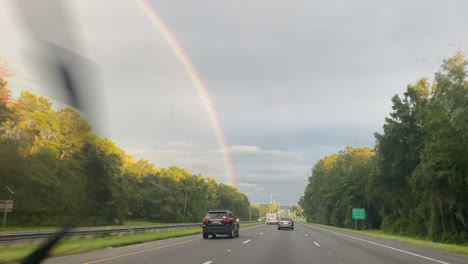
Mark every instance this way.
x=220 y=222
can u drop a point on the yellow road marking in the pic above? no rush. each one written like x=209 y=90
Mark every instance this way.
x=138 y=252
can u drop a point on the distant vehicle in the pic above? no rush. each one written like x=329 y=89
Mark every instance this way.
x=271 y=219
x=286 y=222
x=259 y=220
x=220 y=222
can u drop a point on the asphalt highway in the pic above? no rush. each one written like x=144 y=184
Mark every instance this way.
x=265 y=244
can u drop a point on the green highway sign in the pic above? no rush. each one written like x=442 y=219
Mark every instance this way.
x=359 y=213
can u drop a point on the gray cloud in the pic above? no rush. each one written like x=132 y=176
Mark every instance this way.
x=291 y=81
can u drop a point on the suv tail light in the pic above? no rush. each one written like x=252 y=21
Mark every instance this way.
x=227 y=220
x=206 y=220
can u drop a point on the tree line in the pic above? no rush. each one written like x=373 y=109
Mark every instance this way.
x=54 y=168
x=415 y=180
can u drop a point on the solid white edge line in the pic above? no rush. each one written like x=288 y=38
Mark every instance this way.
x=247 y=241
x=396 y=249
x=318 y=245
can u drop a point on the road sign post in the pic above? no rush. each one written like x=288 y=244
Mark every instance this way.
x=5 y=207
x=358 y=213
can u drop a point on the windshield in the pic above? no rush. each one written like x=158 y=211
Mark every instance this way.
x=122 y=123
x=216 y=215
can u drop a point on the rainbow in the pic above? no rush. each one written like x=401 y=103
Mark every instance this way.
x=190 y=69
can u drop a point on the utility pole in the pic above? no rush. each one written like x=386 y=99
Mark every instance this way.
x=271 y=198
x=272 y=201
x=251 y=213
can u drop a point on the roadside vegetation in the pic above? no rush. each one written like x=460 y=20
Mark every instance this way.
x=68 y=247
x=127 y=223
x=53 y=166
x=414 y=182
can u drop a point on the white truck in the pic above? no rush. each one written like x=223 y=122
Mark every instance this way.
x=271 y=219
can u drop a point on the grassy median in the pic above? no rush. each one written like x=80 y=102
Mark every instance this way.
x=462 y=249
x=251 y=224
x=68 y=247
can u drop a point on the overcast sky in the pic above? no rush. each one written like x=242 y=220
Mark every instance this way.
x=291 y=81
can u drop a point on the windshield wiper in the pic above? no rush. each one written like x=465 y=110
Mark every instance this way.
x=66 y=66
x=41 y=253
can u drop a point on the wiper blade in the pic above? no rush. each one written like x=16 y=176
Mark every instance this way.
x=41 y=253
x=49 y=23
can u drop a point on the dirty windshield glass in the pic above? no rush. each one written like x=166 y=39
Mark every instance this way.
x=123 y=122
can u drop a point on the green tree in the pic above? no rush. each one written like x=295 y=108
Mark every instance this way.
x=338 y=184
x=441 y=179
x=398 y=154
x=58 y=168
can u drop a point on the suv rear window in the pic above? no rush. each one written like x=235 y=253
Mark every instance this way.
x=216 y=215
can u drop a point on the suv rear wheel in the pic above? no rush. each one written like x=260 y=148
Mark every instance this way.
x=205 y=236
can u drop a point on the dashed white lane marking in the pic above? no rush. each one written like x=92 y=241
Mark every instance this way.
x=306 y=235
x=228 y=250
x=208 y=262
x=377 y=244
x=261 y=233
x=318 y=245
x=247 y=241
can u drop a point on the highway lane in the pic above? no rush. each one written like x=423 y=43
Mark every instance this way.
x=265 y=244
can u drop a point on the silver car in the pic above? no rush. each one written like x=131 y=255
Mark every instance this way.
x=286 y=222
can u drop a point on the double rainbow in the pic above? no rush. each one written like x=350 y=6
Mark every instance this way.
x=190 y=69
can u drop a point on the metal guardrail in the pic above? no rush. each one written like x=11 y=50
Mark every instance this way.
x=41 y=234
x=35 y=235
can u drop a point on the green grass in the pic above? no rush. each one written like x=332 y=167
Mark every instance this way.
x=250 y=224
x=25 y=228
x=462 y=249
x=14 y=253
x=127 y=223
x=144 y=223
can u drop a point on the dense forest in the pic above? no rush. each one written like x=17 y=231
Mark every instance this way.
x=415 y=180
x=54 y=167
